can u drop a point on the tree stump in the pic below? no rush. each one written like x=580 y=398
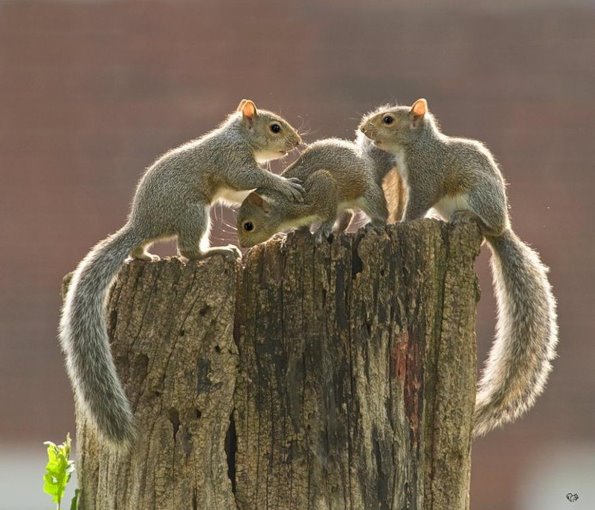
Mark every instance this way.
x=332 y=376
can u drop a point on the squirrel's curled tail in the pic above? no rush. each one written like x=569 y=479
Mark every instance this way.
x=84 y=339
x=526 y=334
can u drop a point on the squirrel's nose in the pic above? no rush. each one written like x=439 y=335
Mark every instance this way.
x=367 y=130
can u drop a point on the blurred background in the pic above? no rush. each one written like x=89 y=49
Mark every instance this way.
x=91 y=92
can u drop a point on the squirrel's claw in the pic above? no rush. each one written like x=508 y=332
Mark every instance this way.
x=324 y=233
x=295 y=189
x=231 y=250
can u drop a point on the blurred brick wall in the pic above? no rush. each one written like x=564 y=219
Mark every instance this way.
x=92 y=92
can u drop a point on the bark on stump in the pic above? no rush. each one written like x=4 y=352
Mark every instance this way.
x=339 y=376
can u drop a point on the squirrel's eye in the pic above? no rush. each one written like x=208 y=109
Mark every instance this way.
x=248 y=226
x=387 y=119
x=275 y=128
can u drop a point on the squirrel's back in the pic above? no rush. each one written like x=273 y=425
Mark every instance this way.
x=342 y=159
x=332 y=154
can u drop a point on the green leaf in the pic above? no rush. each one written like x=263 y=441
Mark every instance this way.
x=74 y=503
x=58 y=470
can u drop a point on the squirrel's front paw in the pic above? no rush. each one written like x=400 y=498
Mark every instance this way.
x=324 y=233
x=294 y=189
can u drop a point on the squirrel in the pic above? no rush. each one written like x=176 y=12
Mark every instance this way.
x=458 y=177
x=172 y=199
x=339 y=176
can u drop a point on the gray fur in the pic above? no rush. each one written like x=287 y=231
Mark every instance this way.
x=172 y=200
x=339 y=176
x=84 y=338
x=453 y=175
x=519 y=363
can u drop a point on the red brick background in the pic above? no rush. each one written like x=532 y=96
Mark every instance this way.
x=92 y=92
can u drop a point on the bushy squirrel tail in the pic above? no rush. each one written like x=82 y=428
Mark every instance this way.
x=84 y=339
x=526 y=334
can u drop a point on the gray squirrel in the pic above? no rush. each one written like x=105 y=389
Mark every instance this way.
x=339 y=176
x=172 y=199
x=458 y=177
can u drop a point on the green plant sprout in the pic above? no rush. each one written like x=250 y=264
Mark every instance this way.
x=58 y=471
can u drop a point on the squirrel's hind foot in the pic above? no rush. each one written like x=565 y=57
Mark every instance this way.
x=140 y=254
x=230 y=250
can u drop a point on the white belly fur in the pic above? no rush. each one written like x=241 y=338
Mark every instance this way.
x=449 y=204
x=262 y=157
x=401 y=166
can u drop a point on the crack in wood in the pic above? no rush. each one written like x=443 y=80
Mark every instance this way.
x=331 y=376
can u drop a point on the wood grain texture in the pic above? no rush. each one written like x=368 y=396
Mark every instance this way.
x=172 y=331
x=351 y=387
x=357 y=363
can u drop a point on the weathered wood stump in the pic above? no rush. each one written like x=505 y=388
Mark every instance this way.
x=339 y=376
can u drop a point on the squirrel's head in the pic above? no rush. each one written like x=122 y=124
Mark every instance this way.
x=391 y=127
x=270 y=136
x=259 y=219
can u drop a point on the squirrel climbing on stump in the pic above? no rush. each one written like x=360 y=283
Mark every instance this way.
x=458 y=177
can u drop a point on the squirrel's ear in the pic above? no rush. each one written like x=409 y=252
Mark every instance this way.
x=248 y=109
x=418 y=112
x=419 y=109
x=254 y=199
x=258 y=201
x=266 y=206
